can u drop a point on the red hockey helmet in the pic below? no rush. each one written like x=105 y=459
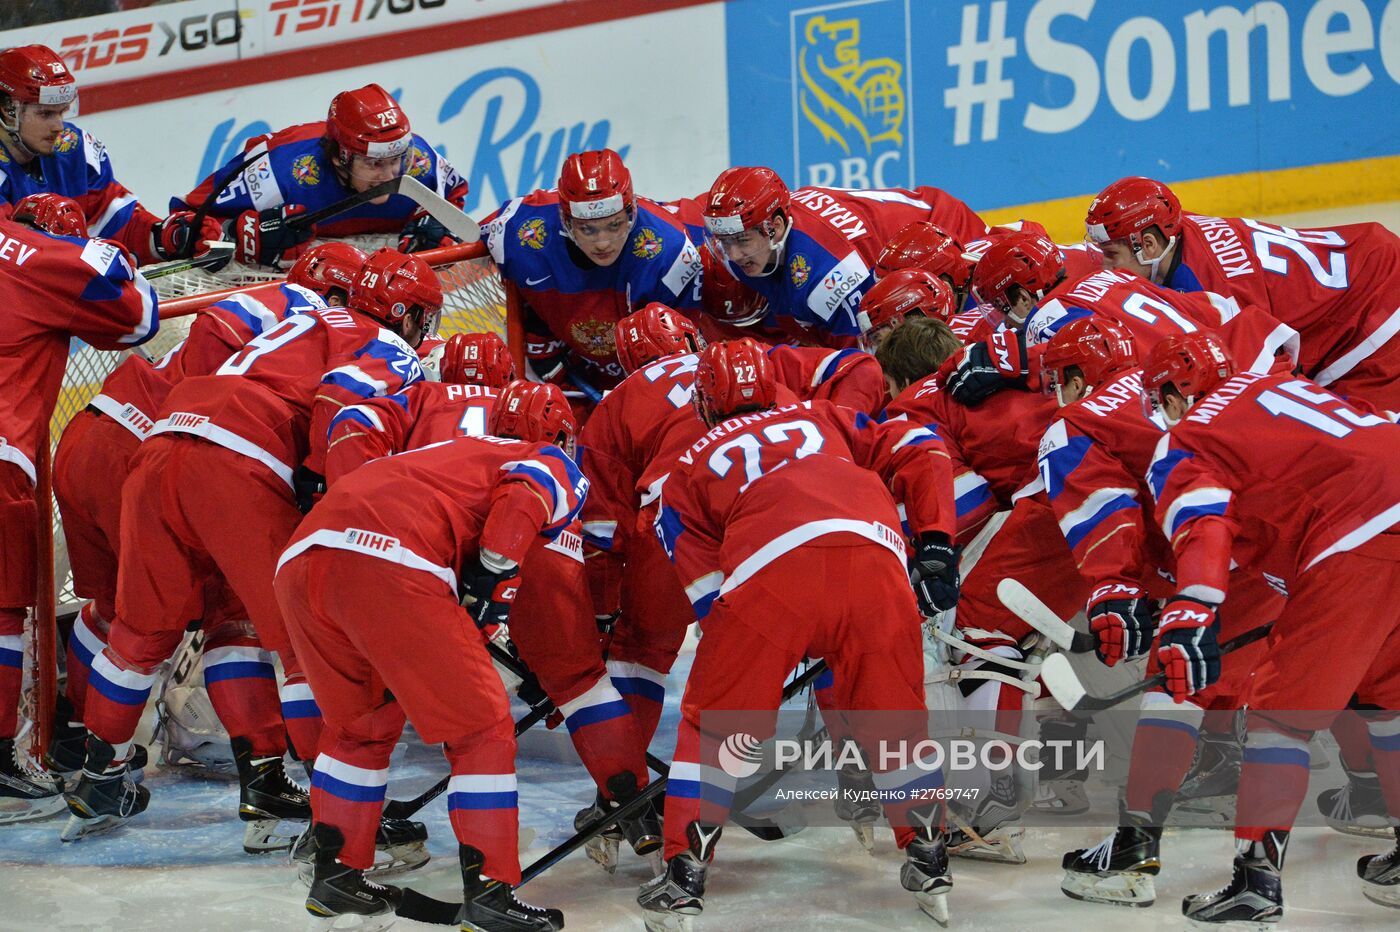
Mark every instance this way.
x=904 y=293
x=1192 y=363
x=1016 y=260
x=535 y=412
x=724 y=297
x=732 y=378
x=477 y=359
x=653 y=332
x=328 y=266
x=743 y=199
x=52 y=213
x=34 y=74
x=1099 y=346
x=369 y=122
x=594 y=185
x=393 y=286
x=926 y=246
x=1129 y=207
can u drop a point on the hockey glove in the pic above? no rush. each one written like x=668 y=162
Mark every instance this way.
x=308 y=486
x=423 y=232
x=983 y=369
x=267 y=237
x=1187 y=649
x=176 y=238
x=1122 y=619
x=935 y=573
x=487 y=593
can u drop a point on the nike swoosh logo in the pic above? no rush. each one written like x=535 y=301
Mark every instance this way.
x=529 y=282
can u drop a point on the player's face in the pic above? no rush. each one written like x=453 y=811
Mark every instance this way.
x=750 y=250
x=39 y=126
x=603 y=239
x=365 y=173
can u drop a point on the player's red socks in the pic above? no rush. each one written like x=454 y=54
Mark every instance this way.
x=645 y=691
x=601 y=725
x=482 y=801
x=1163 y=747
x=242 y=686
x=1273 y=781
x=1385 y=748
x=302 y=716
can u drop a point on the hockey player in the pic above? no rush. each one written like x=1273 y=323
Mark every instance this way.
x=1094 y=461
x=392 y=539
x=1241 y=443
x=364 y=141
x=93 y=460
x=551 y=624
x=1022 y=280
x=1336 y=287
x=583 y=256
x=749 y=508
x=52 y=289
x=899 y=295
x=811 y=252
x=247 y=439
x=40 y=151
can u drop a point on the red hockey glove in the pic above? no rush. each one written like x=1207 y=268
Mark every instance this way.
x=1187 y=649
x=267 y=237
x=983 y=369
x=423 y=232
x=176 y=238
x=1122 y=619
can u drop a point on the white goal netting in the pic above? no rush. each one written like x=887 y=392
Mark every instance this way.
x=475 y=301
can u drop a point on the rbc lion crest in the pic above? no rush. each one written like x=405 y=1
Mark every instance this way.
x=306 y=170
x=66 y=140
x=532 y=234
x=800 y=270
x=646 y=244
x=598 y=338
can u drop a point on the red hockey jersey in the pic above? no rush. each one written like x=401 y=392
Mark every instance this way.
x=1293 y=473
x=847 y=377
x=421 y=414
x=501 y=495
x=51 y=290
x=760 y=485
x=274 y=400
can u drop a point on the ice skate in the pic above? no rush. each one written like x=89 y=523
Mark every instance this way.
x=1357 y=807
x=990 y=834
x=856 y=804
x=340 y=896
x=671 y=900
x=925 y=872
x=1207 y=795
x=1118 y=870
x=26 y=793
x=642 y=831
x=267 y=797
x=105 y=796
x=399 y=847
x=1380 y=875
x=491 y=906
x=1254 y=896
x=1064 y=797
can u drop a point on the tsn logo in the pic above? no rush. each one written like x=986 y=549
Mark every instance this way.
x=108 y=47
x=310 y=15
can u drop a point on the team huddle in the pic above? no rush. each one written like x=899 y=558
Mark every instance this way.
x=824 y=425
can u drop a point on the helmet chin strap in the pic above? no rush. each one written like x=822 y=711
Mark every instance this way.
x=1154 y=265
x=775 y=258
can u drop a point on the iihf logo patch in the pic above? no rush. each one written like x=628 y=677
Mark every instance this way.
x=646 y=244
x=532 y=234
x=800 y=270
x=306 y=170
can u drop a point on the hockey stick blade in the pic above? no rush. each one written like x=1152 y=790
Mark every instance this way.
x=1028 y=607
x=219 y=253
x=1087 y=703
x=441 y=210
x=1059 y=677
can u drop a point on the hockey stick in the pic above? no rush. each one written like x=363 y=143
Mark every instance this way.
x=424 y=908
x=1037 y=614
x=1070 y=693
x=441 y=209
x=220 y=252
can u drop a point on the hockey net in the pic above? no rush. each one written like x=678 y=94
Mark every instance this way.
x=475 y=300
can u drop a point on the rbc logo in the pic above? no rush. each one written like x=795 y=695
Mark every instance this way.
x=851 y=94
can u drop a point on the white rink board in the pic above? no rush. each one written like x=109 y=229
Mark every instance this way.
x=640 y=93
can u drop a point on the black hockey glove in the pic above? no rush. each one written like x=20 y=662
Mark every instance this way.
x=423 y=232
x=1123 y=619
x=268 y=238
x=983 y=369
x=308 y=486
x=935 y=573
x=487 y=594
